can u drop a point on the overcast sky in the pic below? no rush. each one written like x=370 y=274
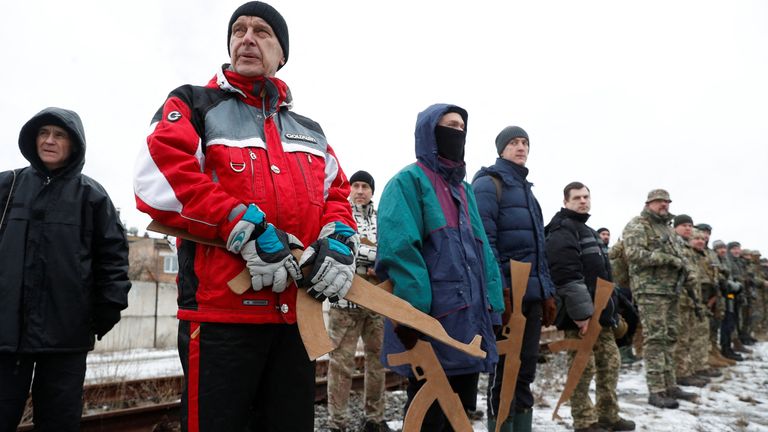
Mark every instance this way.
x=624 y=97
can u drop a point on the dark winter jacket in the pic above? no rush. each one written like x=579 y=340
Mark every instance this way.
x=577 y=259
x=64 y=255
x=514 y=224
x=433 y=249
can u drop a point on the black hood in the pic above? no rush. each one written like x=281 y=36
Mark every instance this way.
x=61 y=117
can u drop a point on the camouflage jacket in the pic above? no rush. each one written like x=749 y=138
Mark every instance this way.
x=694 y=276
x=709 y=274
x=656 y=259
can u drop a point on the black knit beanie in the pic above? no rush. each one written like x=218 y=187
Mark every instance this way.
x=681 y=219
x=268 y=14
x=506 y=135
x=363 y=176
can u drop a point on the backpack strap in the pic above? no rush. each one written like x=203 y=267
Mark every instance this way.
x=497 y=183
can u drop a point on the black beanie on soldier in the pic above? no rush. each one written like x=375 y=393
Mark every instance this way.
x=363 y=176
x=681 y=219
x=268 y=14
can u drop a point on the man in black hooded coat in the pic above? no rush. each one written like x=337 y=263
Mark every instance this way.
x=63 y=277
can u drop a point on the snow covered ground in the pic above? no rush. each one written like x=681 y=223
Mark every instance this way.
x=737 y=401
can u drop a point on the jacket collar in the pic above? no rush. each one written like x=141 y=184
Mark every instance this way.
x=269 y=93
x=510 y=170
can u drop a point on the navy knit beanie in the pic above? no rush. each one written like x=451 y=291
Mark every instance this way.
x=506 y=135
x=268 y=14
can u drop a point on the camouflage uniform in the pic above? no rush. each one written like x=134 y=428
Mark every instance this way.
x=747 y=297
x=718 y=275
x=690 y=347
x=347 y=323
x=655 y=264
x=754 y=270
x=604 y=363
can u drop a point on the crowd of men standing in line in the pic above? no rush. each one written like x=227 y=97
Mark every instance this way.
x=230 y=162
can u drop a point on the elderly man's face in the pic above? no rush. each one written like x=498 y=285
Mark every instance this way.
x=53 y=146
x=659 y=206
x=254 y=48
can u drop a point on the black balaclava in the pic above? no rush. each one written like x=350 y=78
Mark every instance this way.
x=450 y=143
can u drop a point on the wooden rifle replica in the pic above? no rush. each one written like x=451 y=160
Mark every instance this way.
x=309 y=311
x=425 y=365
x=510 y=346
x=583 y=346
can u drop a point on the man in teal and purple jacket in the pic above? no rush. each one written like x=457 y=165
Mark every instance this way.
x=433 y=249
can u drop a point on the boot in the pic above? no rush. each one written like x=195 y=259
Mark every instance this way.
x=715 y=362
x=621 y=424
x=678 y=393
x=505 y=427
x=523 y=421
x=661 y=400
x=627 y=357
x=708 y=373
x=692 y=381
x=731 y=355
x=739 y=347
x=718 y=355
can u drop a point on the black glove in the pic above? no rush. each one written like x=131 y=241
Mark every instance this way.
x=408 y=336
x=104 y=318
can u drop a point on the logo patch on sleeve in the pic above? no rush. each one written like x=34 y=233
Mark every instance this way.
x=173 y=116
x=301 y=137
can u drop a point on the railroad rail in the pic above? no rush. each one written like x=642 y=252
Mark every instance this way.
x=152 y=405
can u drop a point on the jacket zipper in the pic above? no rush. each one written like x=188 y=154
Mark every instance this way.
x=304 y=176
x=253 y=173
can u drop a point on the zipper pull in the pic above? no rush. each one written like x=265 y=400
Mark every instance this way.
x=309 y=158
x=47 y=181
x=252 y=154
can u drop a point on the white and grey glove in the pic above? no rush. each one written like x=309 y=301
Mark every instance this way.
x=331 y=259
x=266 y=250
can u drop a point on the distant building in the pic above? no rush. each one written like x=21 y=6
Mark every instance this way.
x=152 y=260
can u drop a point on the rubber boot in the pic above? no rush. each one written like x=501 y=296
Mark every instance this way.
x=523 y=421
x=506 y=427
x=627 y=358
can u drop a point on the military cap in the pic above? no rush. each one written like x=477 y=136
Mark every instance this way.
x=733 y=244
x=681 y=219
x=704 y=227
x=697 y=233
x=718 y=244
x=658 y=194
x=745 y=252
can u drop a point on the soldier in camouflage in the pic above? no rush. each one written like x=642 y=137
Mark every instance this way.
x=756 y=285
x=692 y=338
x=714 y=294
x=734 y=295
x=656 y=263
x=348 y=322
x=707 y=277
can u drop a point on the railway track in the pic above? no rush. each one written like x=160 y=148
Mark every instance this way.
x=152 y=405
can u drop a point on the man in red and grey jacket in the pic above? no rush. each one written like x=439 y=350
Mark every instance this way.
x=230 y=161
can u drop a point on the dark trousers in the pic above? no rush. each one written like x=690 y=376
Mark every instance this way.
x=529 y=356
x=242 y=377
x=726 y=328
x=434 y=420
x=630 y=316
x=57 y=390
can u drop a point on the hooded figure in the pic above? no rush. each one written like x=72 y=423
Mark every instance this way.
x=433 y=249
x=64 y=273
